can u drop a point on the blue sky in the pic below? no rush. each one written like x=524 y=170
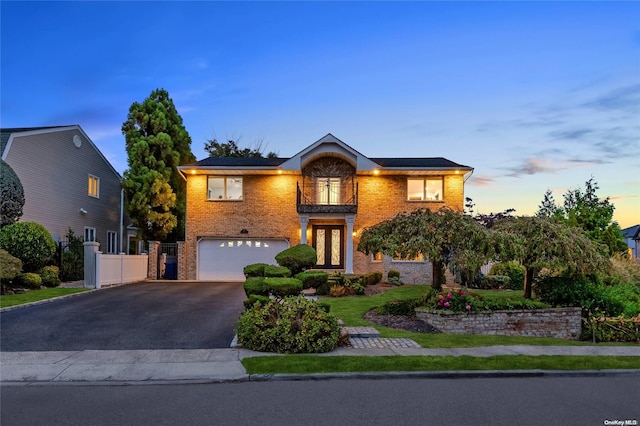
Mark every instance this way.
x=533 y=95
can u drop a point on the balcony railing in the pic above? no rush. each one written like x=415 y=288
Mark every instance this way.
x=311 y=200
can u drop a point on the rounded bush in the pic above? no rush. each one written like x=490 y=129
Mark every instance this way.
x=254 y=270
x=10 y=266
x=312 y=279
x=283 y=287
x=50 y=276
x=277 y=271
x=252 y=299
x=30 y=242
x=513 y=270
x=297 y=258
x=293 y=325
x=255 y=285
x=393 y=273
x=28 y=280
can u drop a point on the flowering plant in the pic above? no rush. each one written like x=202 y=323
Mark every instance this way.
x=456 y=301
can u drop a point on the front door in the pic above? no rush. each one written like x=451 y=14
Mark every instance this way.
x=328 y=240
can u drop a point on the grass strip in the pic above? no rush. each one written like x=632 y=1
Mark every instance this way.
x=307 y=364
x=7 y=300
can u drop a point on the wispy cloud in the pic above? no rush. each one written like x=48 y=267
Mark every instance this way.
x=532 y=166
x=481 y=181
x=626 y=99
x=622 y=197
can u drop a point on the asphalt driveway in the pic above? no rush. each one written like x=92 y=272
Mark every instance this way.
x=148 y=315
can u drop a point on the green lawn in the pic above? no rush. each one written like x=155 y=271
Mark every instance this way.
x=351 y=309
x=305 y=364
x=7 y=300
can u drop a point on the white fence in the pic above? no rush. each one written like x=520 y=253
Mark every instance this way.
x=101 y=270
x=120 y=268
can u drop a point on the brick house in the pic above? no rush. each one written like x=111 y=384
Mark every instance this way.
x=246 y=210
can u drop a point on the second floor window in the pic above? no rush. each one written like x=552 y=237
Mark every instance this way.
x=224 y=188
x=94 y=186
x=328 y=191
x=426 y=189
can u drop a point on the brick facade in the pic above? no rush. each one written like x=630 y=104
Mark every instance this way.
x=268 y=208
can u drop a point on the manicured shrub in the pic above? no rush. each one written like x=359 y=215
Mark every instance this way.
x=297 y=258
x=292 y=325
x=255 y=270
x=283 y=287
x=11 y=195
x=255 y=286
x=30 y=242
x=50 y=276
x=393 y=277
x=495 y=282
x=324 y=289
x=513 y=270
x=253 y=299
x=72 y=264
x=10 y=266
x=28 y=280
x=277 y=271
x=312 y=279
x=372 y=278
x=393 y=273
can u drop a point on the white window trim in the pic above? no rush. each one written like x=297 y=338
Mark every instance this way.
x=424 y=198
x=224 y=198
x=112 y=235
x=88 y=230
x=90 y=179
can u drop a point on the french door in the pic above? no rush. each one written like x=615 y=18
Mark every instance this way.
x=328 y=240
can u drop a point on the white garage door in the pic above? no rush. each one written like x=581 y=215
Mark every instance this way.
x=224 y=259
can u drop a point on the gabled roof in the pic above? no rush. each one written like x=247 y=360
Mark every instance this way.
x=5 y=134
x=631 y=231
x=327 y=146
x=8 y=134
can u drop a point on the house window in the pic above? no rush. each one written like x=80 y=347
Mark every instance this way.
x=224 y=188
x=89 y=234
x=424 y=189
x=94 y=186
x=112 y=242
x=418 y=258
x=376 y=257
x=328 y=191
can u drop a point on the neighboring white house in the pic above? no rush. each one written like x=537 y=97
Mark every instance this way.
x=68 y=184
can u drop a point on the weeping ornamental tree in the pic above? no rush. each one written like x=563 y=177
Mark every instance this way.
x=156 y=142
x=549 y=243
x=447 y=238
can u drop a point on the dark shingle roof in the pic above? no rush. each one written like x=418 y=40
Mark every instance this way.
x=420 y=163
x=239 y=162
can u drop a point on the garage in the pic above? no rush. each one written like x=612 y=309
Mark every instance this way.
x=224 y=259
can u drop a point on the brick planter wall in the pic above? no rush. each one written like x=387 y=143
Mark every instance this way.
x=563 y=323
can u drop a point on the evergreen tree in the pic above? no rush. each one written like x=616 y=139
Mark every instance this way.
x=12 y=194
x=156 y=143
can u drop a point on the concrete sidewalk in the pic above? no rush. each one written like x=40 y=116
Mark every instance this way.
x=224 y=365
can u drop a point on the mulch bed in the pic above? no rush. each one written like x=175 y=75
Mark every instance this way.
x=399 y=322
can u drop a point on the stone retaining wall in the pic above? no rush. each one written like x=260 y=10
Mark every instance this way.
x=563 y=323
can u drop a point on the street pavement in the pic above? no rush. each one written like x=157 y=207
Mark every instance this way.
x=196 y=365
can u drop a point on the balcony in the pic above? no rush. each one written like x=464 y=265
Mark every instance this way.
x=327 y=195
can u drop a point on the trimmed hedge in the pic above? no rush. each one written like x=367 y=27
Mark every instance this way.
x=255 y=270
x=255 y=286
x=283 y=287
x=312 y=279
x=50 y=276
x=30 y=242
x=277 y=271
x=496 y=282
x=255 y=298
x=297 y=258
x=513 y=270
x=372 y=278
x=28 y=280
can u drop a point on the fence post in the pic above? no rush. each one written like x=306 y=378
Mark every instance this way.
x=152 y=273
x=90 y=274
